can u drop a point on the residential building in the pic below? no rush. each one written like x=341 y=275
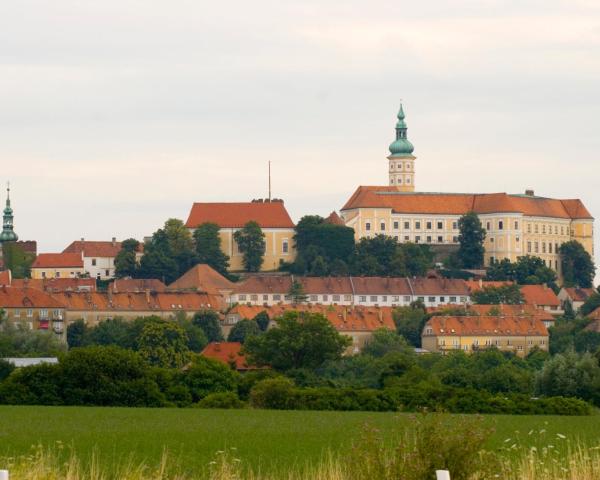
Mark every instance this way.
x=229 y=353
x=271 y=216
x=57 y=265
x=98 y=256
x=365 y=291
x=357 y=322
x=515 y=333
x=32 y=308
x=576 y=296
x=94 y=307
x=76 y=284
x=542 y=296
x=203 y=278
x=136 y=285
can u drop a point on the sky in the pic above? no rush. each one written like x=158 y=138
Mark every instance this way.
x=119 y=114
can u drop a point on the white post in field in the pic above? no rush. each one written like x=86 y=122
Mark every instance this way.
x=439 y=474
x=3 y=474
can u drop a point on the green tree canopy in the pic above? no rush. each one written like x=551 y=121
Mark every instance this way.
x=164 y=344
x=527 y=270
x=300 y=340
x=208 y=321
x=471 y=238
x=296 y=292
x=410 y=322
x=262 y=320
x=251 y=243
x=385 y=341
x=17 y=260
x=578 y=268
x=242 y=330
x=206 y=376
x=208 y=247
x=126 y=264
x=508 y=294
x=591 y=304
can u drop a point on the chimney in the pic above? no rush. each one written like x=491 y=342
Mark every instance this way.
x=114 y=241
x=380 y=315
x=480 y=283
x=82 y=239
x=345 y=315
x=529 y=192
x=147 y=296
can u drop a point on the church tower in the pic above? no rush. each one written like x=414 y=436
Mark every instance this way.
x=401 y=159
x=8 y=234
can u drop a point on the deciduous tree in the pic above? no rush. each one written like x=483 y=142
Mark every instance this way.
x=251 y=243
x=208 y=247
x=471 y=238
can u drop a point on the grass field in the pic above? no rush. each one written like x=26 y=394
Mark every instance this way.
x=273 y=441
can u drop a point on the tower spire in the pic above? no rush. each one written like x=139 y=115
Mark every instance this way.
x=401 y=158
x=8 y=234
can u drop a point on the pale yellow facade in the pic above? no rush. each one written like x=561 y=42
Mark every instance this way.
x=279 y=247
x=507 y=235
x=67 y=272
x=520 y=345
x=402 y=173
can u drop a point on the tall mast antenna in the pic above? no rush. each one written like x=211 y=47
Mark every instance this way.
x=269 y=180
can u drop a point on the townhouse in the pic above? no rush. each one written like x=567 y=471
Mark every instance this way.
x=32 y=309
x=58 y=265
x=365 y=291
x=576 y=296
x=508 y=333
x=542 y=296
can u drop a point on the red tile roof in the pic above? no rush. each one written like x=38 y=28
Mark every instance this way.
x=505 y=310
x=236 y=215
x=461 y=203
x=5 y=278
x=124 y=285
x=540 y=295
x=229 y=353
x=94 y=248
x=344 y=319
x=486 y=325
x=202 y=278
x=57 y=284
x=334 y=219
x=579 y=294
x=476 y=285
x=58 y=260
x=14 y=297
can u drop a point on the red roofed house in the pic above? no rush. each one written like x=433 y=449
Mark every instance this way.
x=203 y=278
x=98 y=256
x=272 y=217
x=57 y=265
x=577 y=296
x=509 y=333
x=32 y=308
x=542 y=296
x=229 y=353
x=357 y=322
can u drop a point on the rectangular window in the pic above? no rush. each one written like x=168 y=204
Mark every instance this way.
x=395 y=298
x=242 y=298
x=454 y=239
x=406 y=225
x=428 y=226
x=325 y=298
x=428 y=239
x=543 y=247
x=17 y=312
x=285 y=246
x=313 y=298
x=440 y=225
x=488 y=226
x=528 y=247
x=550 y=247
x=440 y=239
x=454 y=225
x=336 y=298
x=406 y=298
x=555 y=229
x=254 y=298
x=543 y=228
x=347 y=298
x=417 y=225
x=536 y=247
x=276 y=297
x=529 y=228
x=43 y=313
x=93 y=262
x=500 y=225
x=452 y=299
x=396 y=225
x=382 y=226
x=536 y=229
x=442 y=299
x=422 y=299
x=463 y=299
x=431 y=299
x=406 y=238
x=373 y=298
x=384 y=298
x=367 y=226
x=362 y=298
x=417 y=239
x=516 y=225
x=265 y=298
x=29 y=313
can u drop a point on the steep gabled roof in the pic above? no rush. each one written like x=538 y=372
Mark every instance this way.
x=202 y=278
x=579 y=294
x=540 y=295
x=235 y=215
x=58 y=260
x=137 y=285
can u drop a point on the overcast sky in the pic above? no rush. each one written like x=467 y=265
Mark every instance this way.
x=118 y=114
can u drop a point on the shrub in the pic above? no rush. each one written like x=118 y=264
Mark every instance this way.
x=205 y=376
x=273 y=393
x=227 y=400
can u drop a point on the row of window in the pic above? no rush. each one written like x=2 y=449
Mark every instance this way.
x=398 y=166
x=399 y=181
x=361 y=298
x=549 y=229
x=439 y=225
x=500 y=225
x=57 y=274
x=546 y=247
x=43 y=313
x=487 y=343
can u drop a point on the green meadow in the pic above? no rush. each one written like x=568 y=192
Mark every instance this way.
x=269 y=441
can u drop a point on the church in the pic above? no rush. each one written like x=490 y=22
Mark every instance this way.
x=516 y=224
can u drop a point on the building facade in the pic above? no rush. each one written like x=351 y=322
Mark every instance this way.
x=271 y=216
x=32 y=309
x=401 y=161
x=57 y=265
x=98 y=256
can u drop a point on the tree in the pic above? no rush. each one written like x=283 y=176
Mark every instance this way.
x=181 y=245
x=22 y=342
x=578 y=268
x=374 y=255
x=296 y=292
x=205 y=376
x=385 y=341
x=471 y=238
x=242 y=330
x=112 y=331
x=319 y=267
x=262 y=319
x=17 y=260
x=418 y=258
x=164 y=344
x=197 y=339
x=126 y=264
x=527 y=270
x=6 y=369
x=208 y=321
x=591 y=304
x=300 y=340
x=208 y=247
x=251 y=243
x=508 y=294
x=410 y=322
x=77 y=334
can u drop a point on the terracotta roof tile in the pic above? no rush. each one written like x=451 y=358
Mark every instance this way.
x=512 y=325
x=56 y=284
x=579 y=294
x=5 y=278
x=476 y=285
x=236 y=215
x=505 y=310
x=94 y=248
x=202 y=278
x=461 y=203
x=58 y=260
x=137 y=285
x=229 y=353
x=15 y=297
x=540 y=295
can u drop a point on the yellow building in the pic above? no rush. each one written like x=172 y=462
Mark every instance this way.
x=518 y=334
x=270 y=215
x=57 y=265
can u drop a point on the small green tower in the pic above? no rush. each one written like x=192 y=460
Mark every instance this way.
x=8 y=234
x=401 y=158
